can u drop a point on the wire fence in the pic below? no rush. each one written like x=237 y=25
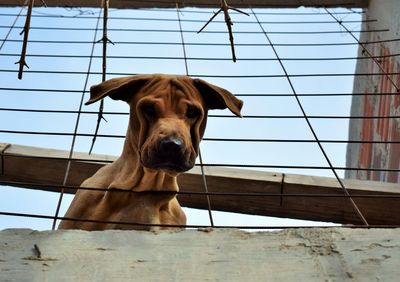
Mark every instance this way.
x=262 y=29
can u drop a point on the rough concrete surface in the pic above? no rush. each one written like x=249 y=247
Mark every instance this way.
x=334 y=254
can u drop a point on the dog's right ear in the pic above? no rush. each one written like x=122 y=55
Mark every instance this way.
x=218 y=98
x=121 y=88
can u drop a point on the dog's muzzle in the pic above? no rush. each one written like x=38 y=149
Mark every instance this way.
x=168 y=154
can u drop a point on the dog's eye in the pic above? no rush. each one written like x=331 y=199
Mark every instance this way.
x=149 y=110
x=192 y=112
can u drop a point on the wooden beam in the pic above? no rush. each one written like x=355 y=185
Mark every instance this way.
x=131 y=4
x=38 y=166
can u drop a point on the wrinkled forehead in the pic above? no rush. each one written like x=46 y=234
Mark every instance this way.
x=171 y=90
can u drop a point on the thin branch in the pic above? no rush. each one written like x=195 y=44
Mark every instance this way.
x=100 y=116
x=225 y=8
x=105 y=40
x=210 y=20
x=229 y=24
x=22 y=62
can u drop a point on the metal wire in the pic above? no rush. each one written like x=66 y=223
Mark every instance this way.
x=194 y=31
x=238 y=94
x=17 y=16
x=318 y=12
x=75 y=131
x=186 y=226
x=211 y=116
x=258 y=140
x=357 y=210
x=201 y=160
x=150 y=19
x=369 y=55
x=209 y=44
x=224 y=164
x=20 y=184
x=186 y=60
x=190 y=226
x=201 y=58
x=209 y=75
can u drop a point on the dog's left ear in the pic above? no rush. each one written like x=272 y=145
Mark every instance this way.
x=121 y=88
x=218 y=98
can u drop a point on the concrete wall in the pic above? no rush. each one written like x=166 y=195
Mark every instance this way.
x=387 y=12
x=219 y=255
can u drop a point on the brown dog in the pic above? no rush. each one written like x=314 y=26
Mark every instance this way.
x=168 y=117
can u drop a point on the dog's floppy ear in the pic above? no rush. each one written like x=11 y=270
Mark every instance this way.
x=218 y=98
x=120 y=88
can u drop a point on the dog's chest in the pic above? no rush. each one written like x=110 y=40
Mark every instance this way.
x=131 y=208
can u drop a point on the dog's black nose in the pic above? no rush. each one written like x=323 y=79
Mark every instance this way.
x=169 y=153
x=170 y=146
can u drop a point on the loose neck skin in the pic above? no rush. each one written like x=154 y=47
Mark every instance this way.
x=132 y=175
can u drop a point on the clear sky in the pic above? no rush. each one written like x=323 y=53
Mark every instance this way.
x=262 y=80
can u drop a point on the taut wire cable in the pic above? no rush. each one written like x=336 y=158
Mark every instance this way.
x=13 y=25
x=357 y=210
x=371 y=56
x=42 y=41
x=249 y=227
x=200 y=158
x=76 y=126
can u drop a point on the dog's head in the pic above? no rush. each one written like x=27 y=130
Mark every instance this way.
x=168 y=115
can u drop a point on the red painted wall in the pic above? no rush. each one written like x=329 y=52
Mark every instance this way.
x=381 y=129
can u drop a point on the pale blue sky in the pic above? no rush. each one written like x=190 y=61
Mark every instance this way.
x=27 y=201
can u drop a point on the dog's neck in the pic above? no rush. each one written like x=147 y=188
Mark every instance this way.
x=132 y=175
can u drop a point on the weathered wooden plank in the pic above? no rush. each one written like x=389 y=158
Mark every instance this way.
x=331 y=209
x=223 y=180
x=195 y=3
x=46 y=166
x=3 y=147
x=376 y=210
